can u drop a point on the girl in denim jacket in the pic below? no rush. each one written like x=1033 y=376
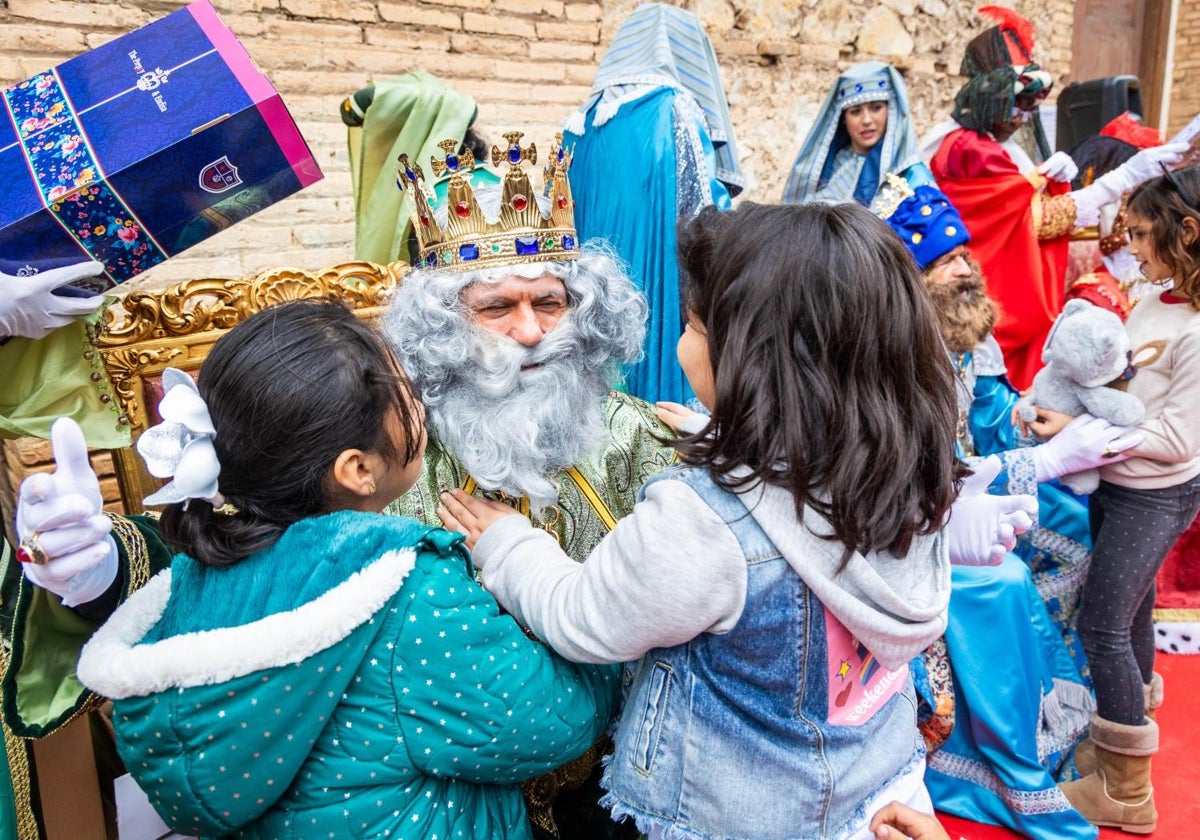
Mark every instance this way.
x=769 y=592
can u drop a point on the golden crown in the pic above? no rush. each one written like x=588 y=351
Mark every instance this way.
x=891 y=196
x=521 y=234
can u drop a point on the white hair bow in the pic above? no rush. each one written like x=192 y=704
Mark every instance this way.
x=181 y=447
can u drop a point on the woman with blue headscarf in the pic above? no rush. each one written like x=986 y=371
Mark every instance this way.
x=653 y=144
x=863 y=132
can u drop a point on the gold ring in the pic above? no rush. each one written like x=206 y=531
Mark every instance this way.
x=1110 y=452
x=30 y=551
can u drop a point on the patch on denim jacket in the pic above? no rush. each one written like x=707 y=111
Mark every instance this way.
x=858 y=685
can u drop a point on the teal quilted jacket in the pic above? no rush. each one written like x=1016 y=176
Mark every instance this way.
x=351 y=681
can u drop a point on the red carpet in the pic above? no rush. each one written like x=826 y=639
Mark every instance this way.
x=1176 y=768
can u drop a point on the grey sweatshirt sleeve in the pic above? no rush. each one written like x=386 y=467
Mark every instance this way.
x=668 y=572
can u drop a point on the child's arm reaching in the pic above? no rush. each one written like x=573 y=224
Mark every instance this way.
x=668 y=572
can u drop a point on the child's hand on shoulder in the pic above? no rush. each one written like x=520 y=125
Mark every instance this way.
x=680 y=418
x=896 y=822
x=468 y=515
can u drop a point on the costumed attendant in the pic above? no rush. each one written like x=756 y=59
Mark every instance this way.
x=307 y=666
x=862 y=133
x=413 y=113
x=652 y=145
x=1002 y=715
x=1102 y=270
x=1142 y=505
x=44 y=324
x=769 y=594
x=1018 y=202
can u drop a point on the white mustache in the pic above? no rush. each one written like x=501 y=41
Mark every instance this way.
x=502 y=360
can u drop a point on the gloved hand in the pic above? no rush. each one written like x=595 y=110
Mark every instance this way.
x=64 y=509
x=1106 y=189
x=1059 y=167
x=29 y=307
x=983 y=528
x=1084 y=443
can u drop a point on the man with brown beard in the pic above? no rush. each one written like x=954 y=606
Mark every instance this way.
x=1004 y=731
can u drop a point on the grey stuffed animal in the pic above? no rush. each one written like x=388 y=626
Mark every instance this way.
x=1087 y=348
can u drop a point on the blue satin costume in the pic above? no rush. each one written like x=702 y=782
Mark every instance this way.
x=653 y=145
x=1022 y=699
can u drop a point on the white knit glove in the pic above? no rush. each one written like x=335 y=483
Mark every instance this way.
x=64 y=509
x=1084 y=443
x=1106 y=189
x=982 y=528
x=1059 y=167
x=29 y=307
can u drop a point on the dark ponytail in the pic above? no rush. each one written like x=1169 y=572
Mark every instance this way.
x=288 y=390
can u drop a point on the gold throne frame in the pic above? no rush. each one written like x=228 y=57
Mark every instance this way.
x=146 y=331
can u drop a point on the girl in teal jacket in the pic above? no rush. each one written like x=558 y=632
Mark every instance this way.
x=308 y=667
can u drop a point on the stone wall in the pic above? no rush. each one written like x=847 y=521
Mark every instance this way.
x=528 y=63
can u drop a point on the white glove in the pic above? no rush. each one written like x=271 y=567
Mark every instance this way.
x=982 y=528
x=1084 y=443
x=1059 y=167
x=1106 y=189
x=29 y=307
x=64 y=509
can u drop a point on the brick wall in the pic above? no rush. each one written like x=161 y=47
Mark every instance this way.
x=1185 y=92
x=528 y=63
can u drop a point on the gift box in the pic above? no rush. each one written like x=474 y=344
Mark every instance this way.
x=140 y=148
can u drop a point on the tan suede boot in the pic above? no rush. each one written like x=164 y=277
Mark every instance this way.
x=1118 y=793
x=1085 y=751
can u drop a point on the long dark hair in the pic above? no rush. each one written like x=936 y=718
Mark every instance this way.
x=1165 y=203
x=288 y=390
x=830 y=377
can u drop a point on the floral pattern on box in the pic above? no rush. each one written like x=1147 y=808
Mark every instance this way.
x=69 y=179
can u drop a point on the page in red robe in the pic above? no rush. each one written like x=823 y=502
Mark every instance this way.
x=1024 y=276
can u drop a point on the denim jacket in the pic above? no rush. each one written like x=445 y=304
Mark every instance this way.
x=730 y=736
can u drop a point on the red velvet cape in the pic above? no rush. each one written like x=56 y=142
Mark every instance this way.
x=1024 y=276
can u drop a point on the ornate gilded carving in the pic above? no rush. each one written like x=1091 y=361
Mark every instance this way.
x=196 y=306
x=145 y=331
x=125 y=368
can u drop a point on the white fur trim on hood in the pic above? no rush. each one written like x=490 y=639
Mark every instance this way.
x=114 y=665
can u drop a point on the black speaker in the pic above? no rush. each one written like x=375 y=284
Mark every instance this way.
x=1085 y=107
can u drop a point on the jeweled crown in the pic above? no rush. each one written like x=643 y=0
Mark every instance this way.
x=521 y=233
x=895 y=189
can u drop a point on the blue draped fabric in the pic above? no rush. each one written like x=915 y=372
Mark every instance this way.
x=626 y=181
x=868 y=178
x=1013 y=689
x=1022 y=698
x=1058 y=548
x=652 y=145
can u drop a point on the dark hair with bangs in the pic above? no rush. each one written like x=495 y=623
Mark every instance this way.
x=288 y=390
x=1165 y=202
x=830 y=377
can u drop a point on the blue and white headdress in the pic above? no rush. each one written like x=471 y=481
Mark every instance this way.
x=659 y=46
x=870 y=81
